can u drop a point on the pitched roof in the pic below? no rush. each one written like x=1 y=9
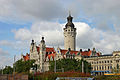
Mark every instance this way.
x=51 y=55
x=74 y=52
x=98 y=54
x=26 y=57
x=63 y=51
x=86 y=53
x=83 y=53
x=48 y=49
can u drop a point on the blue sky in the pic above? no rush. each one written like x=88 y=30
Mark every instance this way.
x=97 y=24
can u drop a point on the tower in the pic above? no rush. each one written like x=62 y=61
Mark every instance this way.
x=42 y=54
x=69 y=34
x=33 y=51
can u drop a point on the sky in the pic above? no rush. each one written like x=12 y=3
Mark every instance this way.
x=97 y=23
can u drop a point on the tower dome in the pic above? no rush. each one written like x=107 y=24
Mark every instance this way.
x=69 y=21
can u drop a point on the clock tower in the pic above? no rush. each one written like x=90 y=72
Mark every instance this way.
x=69 y=34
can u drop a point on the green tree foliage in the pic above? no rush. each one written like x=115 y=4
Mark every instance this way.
x=7 y=70
x=70 y=64
x=23 y=66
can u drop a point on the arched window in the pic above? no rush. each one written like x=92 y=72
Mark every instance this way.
x=100 y=67
x=117 y=66
x=97 y=67
x=105 y=61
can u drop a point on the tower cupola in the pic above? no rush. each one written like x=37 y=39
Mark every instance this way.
x=42 y=41
x=32 y=42
x=69 y=21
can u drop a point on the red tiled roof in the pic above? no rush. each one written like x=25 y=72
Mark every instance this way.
x=86 y=53
x=63 y=51
x=38 y=49
x=27 y=57
x=98 y=54
x=51 y=55
x=83 y=53
x=48 y=49
x=74 y=52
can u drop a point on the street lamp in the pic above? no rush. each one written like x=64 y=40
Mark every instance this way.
x=55 y=65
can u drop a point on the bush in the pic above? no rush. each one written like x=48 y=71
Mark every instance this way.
x=53 y=76
x=46 y=76
x=107 y=77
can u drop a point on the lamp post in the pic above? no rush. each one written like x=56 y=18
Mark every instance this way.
x=14 y=67
x=82 y=66
x=55 y=65
x=33 y=70
x=2 y=70
x=63 y=70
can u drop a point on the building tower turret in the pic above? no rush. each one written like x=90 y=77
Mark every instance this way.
x=69 y=34
x=33 y=51
x=42 y=54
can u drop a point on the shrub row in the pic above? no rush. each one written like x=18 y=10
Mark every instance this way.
x=53 y=76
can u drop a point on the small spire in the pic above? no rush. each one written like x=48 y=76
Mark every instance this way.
x=32 y=41
x=42 y=38
x=69 y=13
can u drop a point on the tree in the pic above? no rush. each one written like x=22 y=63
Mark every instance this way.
x=23 y=66
x=7 y=70
x=70 y=64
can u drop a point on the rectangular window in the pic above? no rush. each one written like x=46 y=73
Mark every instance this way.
x=110 y=67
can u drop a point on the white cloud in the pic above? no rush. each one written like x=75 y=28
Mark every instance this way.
x=3 y=53
x=105 y=12
x=5 y=58
x=87 y=37
x=22 y=34
x=5 y=43
x=109 y=43
x=29 y=10
x=5 y=61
